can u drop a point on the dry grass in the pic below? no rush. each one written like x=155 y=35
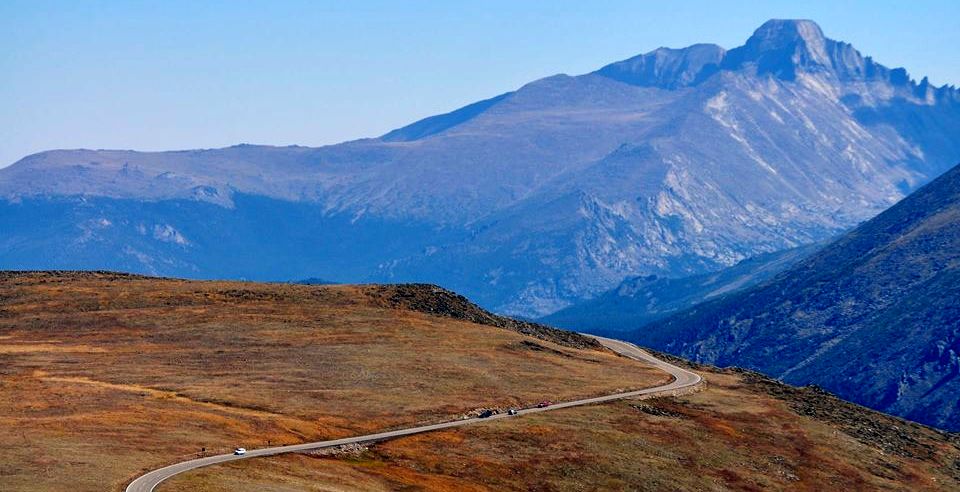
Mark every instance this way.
x=733 y=436
x=104 y=376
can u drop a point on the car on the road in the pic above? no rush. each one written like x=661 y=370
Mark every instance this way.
x=512 y=411
x=240 y=451
x=486 y=413
x=544 y=404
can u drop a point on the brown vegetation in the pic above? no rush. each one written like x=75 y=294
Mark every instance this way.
x=742 y=433
x=103 y=376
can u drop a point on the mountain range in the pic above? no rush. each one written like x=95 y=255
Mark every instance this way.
x=873 y=317
x=672 y=163
x=639 y=301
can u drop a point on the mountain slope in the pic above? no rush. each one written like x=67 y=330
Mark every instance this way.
x=743 y=433
x=531 y=200
x=105 y=376
x=642 y=300
x=872 y=317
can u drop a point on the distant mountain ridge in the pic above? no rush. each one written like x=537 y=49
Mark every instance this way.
x=639 y=301
x=529 y=201
x=873 y=317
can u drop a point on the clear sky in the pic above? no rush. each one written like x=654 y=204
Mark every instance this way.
x=199 y=74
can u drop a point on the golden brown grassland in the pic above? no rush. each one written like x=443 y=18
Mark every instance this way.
x=738 y=434
x=103 y=376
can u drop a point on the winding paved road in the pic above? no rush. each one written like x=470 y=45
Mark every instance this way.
x=682 y=378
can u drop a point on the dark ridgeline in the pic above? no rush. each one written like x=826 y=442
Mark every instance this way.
x=873 y=317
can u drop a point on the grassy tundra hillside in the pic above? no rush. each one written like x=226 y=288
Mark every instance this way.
x=744 y=433
x=103 y=376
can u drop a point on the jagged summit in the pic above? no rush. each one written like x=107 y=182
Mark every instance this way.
x=782 y=48
x=778 y=47
x=778 y=34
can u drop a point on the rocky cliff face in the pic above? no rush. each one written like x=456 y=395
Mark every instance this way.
x=873 y=316
x=672 y=163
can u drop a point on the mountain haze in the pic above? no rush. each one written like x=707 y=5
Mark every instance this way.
x=872 y=317
x=642 y=300
x=672 y=163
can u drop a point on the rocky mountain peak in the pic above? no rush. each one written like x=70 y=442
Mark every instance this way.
x=791 y=35
x=782 y=47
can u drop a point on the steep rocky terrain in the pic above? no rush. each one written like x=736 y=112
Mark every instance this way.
x=642 y=300
x=872 y=317
x=528 y=201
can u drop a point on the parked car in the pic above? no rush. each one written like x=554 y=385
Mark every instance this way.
x=544 y=404
x=512 y=411
x=486 y=413
x=240 y=451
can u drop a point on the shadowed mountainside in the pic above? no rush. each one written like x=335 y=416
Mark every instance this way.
x=872 y=317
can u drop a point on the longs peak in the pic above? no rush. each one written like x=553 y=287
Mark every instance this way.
x=780 y=47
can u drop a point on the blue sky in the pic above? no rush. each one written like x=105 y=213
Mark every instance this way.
x=178 y=74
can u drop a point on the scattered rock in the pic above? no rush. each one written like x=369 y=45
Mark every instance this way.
x=654 y=407
x=345 y=451
x=885 y=432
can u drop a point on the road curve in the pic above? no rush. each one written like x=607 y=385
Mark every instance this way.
x=682 y=378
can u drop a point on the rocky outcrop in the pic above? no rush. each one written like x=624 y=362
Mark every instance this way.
x=437 y=301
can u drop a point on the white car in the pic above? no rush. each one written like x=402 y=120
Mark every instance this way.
x=240 y=451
